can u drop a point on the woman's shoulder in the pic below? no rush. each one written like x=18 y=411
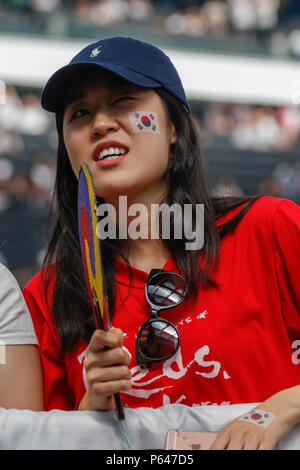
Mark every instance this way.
x=262 y=217
x=40 y=280
x=270 y=205
x=38 y=291
x=267 y=212
x=38 y=294
x=263 y=209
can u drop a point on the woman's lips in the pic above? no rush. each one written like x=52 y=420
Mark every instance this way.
x=106 y=145
x=113 y=162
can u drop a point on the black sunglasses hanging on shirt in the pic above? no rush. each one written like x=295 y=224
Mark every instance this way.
x=158 y=339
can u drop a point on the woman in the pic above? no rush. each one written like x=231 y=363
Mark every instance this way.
x=21 y=381
x=240 y=321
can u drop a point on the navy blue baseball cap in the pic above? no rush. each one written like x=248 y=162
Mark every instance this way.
x=138 y=62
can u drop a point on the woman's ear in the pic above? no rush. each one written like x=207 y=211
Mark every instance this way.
x=173 y=136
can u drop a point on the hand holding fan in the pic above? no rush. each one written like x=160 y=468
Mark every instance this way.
x=91 y=256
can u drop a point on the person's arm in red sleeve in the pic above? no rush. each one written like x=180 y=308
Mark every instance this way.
x=287 y=263
x=284 y=405
x=57 y=393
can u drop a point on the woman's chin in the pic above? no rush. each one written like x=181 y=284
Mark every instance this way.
x=112 y=195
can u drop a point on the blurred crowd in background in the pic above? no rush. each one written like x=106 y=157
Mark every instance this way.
x=249 y=149
x=193 y=18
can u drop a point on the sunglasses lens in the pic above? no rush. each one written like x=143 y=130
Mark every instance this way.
x=158 y=340
x=166 y=289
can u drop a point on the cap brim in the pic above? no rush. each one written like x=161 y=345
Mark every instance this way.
x=59 y=83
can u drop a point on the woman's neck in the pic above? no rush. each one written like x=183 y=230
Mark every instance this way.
x=145 y=254
x=136 y=218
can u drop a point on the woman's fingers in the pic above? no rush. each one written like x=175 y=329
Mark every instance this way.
x=107 y=358
x=105 y=339
x=252 y=443
x=241 y=435
x=109 y=387
x=119 y=334
x=106 y=365
x=105 y=382
x=109 y=374
x=221 y=441
x=106 y=389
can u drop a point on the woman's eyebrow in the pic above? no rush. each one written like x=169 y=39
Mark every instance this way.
x=77 y=95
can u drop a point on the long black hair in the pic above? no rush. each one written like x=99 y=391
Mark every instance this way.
x=71 y=310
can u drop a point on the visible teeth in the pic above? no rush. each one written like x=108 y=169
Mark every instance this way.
x=111 y=151
x=103 y=153
x=112 y=157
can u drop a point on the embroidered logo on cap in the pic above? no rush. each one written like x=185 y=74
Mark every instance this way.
x=95 y=51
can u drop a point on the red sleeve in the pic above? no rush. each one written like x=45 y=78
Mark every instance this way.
x=287 y=263
x=57 y=394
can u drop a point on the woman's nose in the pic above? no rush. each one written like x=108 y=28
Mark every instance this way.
x=103 y=123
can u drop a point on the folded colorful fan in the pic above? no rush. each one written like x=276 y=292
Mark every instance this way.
x=90 y=247
x=91 y=256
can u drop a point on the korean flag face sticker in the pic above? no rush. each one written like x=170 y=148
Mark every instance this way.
x=259 y=417
x=144 y=121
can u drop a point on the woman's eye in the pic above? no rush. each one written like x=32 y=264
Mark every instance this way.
x=79 y=113
x=124 y=98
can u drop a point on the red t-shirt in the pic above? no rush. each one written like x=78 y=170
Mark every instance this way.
x=239 y=343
